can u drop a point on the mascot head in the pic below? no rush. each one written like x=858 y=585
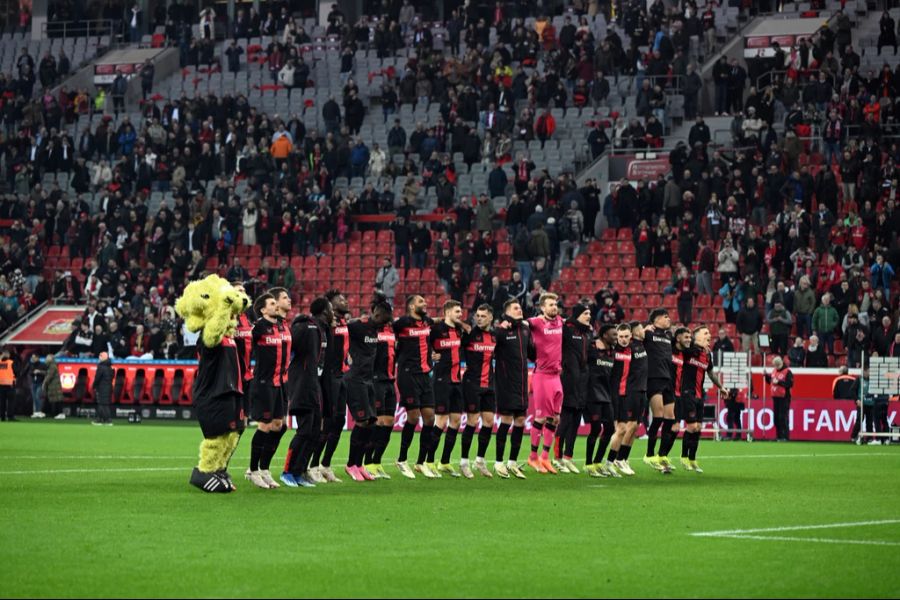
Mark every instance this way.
x=211 y=305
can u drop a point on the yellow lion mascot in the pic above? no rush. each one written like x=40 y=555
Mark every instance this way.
x=211 y=306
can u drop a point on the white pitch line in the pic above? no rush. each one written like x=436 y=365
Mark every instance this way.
x=823 y=455
x=96 y=457
x=793 y=528
x=783 y=538
x=61 y=471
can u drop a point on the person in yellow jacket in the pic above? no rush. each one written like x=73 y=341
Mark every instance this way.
x=7 y=388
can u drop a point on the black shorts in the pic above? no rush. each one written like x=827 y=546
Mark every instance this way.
x=217 y=416
x=661 y=386
x=361 y=400
x=574 y=390
x=689 y=409
x=598 y=411
x=266 y=402
x=448 y=397
x=478 y=399
x=415 y=390
x=385 y=398
x=334 y=399
x=309 y=423
x=631 y=406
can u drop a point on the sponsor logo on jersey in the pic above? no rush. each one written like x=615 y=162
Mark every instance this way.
x=448 y=343
x=422 y=332
x=370 y=340
x=640 y=355
x=340 y=330
x=384 y=336
x=481 y=347
x=553 y=331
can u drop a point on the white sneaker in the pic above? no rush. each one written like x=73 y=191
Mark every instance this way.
x=570 y=465
x=60 y=417
x=559 y=466
x=267 y=477
x=405 y=470
x=515 y=470
x=611 y=469
x=624 y=467
x=426 y=471
x=874 y=443
x=328 y=475
x=465 y=470
x=315 y=475
x=257 y=479
x=501 y=470
x=482 y=469
x=247 y=474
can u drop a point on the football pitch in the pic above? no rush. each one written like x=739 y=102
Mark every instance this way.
x=108 y=512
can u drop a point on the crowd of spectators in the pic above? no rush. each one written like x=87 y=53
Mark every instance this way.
x=135 y=262
x=795 y=229
x=783 y=242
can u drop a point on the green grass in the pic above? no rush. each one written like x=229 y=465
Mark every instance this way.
x=108 y=512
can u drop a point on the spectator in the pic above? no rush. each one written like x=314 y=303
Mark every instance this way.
x=387 y=279
x=883 y=336
x=882 y=275
x=733 y=295
x=780 y=322
x=148 y=72
x=749 y=323
x=723 y=344
x=728 y=260
x=609 y=313
x=683 y=286
x=804 y=305
x=856 y=339
x=797 y=353
x=815 y=354
x=421 y=243
x=233 y=54
x=538 y=243
x=824 y=322
x=706 y=264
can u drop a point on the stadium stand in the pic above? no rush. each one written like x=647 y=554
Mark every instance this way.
x=275 y=155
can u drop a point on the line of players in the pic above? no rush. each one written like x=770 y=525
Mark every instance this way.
x=324 y=363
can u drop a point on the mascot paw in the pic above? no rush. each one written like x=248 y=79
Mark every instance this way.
x=209 y=482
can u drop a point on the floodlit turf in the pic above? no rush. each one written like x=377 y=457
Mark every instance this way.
x=107 y=511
